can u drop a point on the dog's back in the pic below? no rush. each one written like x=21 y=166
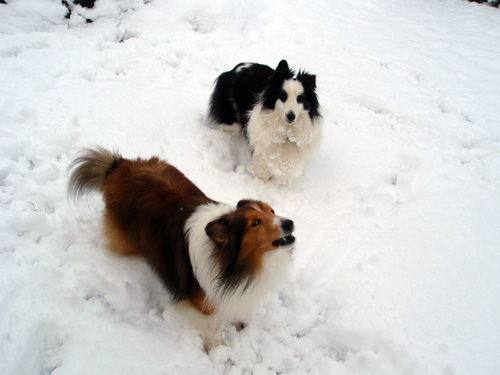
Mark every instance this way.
x=236 y=92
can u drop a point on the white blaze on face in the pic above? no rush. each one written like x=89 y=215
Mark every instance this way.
x=278 y=221
x=292 y=107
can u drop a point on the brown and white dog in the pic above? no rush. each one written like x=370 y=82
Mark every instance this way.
x=217 y=261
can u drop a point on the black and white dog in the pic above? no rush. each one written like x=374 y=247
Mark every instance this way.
x=276 y=110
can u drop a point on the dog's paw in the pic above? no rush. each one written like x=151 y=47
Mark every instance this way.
x=211 y=341
x=260 y=171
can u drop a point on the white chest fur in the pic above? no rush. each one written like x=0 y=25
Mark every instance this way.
x=245 y=298
x=281 y=151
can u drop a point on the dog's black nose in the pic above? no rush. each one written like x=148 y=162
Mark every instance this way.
x=290 y=116
x=287 y=225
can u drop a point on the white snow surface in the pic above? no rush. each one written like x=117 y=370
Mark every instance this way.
x=397 y=266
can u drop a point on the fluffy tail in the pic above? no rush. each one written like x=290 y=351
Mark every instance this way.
x=89 y=171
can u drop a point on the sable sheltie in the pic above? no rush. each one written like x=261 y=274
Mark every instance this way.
x=277 y=111
x=217 y=261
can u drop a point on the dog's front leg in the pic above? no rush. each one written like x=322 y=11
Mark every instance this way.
x=207 y=324
x=260 y=168
x=211 y=334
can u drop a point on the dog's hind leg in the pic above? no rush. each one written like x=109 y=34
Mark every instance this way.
x=117 y=240
x=221 y=109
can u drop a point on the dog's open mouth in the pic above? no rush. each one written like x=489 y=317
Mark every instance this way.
x=285 y=241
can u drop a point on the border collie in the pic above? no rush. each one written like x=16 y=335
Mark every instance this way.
x=276 y=110
x=217 y=261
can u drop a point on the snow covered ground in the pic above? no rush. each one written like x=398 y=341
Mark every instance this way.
x=397 y=268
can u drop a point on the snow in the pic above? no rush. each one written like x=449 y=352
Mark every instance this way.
x=398 y=214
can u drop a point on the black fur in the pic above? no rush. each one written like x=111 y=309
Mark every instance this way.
x=233 y=272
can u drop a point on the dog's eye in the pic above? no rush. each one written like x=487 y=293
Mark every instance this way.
x=283 y=96
x=256 y=222
x=272 y=211
x=300 y=99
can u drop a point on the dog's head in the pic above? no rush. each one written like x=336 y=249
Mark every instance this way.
x=291 y=94
x=252 y=228
x=244 y=236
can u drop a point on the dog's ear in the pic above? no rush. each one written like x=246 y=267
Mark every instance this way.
x=242 y=203
x=283 y=70
x=307 y=79
x=218 y=230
